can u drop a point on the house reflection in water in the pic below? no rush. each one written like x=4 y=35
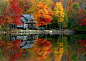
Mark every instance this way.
x=27 y=40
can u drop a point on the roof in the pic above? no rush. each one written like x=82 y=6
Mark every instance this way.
x=27 y=44
x=24 y=20
x=27 y=18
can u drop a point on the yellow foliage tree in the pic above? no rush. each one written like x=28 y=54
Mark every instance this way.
x=49 y=3
x=58 y=12
x=24 y=6
x=32 y=6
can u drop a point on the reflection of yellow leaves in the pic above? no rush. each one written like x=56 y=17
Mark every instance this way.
x=58 y=50
x=0 y=27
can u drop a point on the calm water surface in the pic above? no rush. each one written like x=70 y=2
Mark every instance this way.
x=43 y=47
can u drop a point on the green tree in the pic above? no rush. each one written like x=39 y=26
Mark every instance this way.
x=65 y=22
x=76 y=6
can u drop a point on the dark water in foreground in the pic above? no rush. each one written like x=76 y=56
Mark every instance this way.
x=43 y=47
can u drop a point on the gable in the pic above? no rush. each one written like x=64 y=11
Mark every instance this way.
x=28 y=17
x=24 y=20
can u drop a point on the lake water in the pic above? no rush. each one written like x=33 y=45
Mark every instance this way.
x=43 y=47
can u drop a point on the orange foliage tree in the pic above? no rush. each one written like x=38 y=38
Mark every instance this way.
x=42 y=49
x=42 y=14
x=69 y=8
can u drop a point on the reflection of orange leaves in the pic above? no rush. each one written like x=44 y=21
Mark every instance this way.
x=1 y=43
x=16 y=43
x=49 y=50
x=6 y=39
x=42 y=49
x=8 y=45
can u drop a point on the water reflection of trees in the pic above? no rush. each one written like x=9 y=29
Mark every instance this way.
x=41 y=49
x=59 y=48
x=76 y=49
x=11 y=50
x=47 y=48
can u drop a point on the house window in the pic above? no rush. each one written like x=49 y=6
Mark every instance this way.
x=22 y=37
x=19 y=25
x=25 y=25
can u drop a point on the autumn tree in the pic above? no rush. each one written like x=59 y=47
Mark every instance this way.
x=58 y=12
x=49 y=3
x=42 y=14
x=65 y=22
x=32 y=6
x=13 y=13
x=24 y=5
x=82 y=18
x=81 y=14
x=1 y=22
x=2 y=8
x=69 y=8
x=83 y=22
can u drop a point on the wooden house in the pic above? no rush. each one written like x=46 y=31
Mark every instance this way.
x=28 y=22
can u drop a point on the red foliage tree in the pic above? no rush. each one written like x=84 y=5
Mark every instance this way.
x=81 y=14
x=83 y=22
x=13 y=13
x=1 y=22
x=82 y=17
